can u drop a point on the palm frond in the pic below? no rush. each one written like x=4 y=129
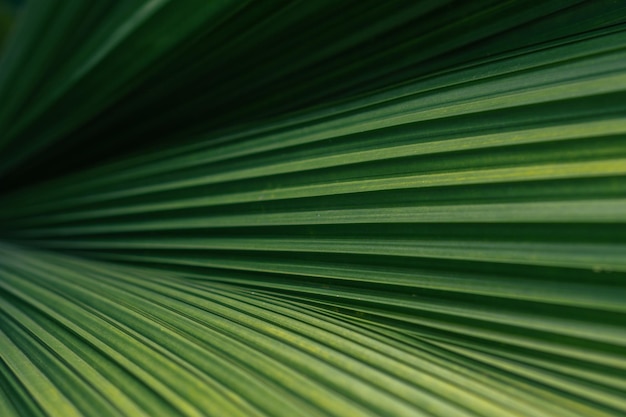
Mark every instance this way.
x=325 y=208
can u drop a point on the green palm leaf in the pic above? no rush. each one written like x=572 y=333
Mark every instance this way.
x=289 y=208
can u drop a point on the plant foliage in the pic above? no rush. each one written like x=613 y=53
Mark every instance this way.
x=313 y=208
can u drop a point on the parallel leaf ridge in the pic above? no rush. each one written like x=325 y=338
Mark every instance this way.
x=324 y=208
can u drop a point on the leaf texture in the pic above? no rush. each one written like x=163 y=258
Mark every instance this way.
x=289 y=208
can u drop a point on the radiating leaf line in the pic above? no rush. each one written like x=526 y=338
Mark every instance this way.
x=292 y=208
